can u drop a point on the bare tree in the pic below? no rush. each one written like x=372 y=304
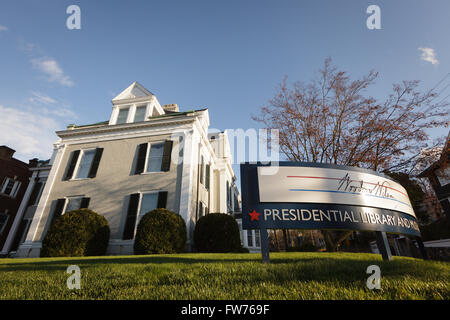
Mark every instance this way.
x=333 y=120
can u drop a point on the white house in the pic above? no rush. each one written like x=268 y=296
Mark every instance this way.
x=147 y=155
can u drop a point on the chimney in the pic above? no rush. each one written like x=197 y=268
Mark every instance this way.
x=6 y=153
x=171 y=107
x=32 y=163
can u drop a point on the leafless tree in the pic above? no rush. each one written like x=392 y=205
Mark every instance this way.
x=332 y=119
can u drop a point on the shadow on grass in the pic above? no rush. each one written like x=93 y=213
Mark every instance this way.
x=306 y=267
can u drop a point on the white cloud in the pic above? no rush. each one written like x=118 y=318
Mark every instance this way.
x=50 y=106
x=28 y=132
x=51 y=68
x=42 y=98
x=428 y=55
x=3 y=28
x=59 y=112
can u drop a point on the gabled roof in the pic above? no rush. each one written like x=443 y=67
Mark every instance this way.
x=135 y=90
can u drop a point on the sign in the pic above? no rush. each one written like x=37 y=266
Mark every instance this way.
x=296 y=195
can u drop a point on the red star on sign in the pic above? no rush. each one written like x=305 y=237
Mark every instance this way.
x=254 y=215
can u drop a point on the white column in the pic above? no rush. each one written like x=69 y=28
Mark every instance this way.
x=59 y=152
x=190 y=143
x=131 y=113
x=114 y=113
x=222 y=191
x=19 y=215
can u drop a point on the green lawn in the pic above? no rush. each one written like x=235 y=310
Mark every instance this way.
x=225 y=276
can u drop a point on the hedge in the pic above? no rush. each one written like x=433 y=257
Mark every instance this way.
x=80 y=232
x=160 y=231
x=217 y=232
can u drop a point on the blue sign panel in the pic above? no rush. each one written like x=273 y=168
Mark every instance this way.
x=321 y=196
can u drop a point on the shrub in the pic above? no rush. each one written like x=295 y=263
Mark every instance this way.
x=160 y=231
x=217 y=232
x=80 y=232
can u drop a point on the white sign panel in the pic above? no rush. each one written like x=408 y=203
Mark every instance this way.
x=325 y=185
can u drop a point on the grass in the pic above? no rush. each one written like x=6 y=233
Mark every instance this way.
x=225 y=276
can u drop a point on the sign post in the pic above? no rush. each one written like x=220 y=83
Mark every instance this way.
x=383 y=245
x=298 y=195
x=264 y=245
x=422 y=249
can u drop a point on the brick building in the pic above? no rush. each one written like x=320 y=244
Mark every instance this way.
x=14 y=178
x=439 y=176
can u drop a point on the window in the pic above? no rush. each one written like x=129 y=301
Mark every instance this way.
x=201 y=210
x=208 y=176
x=3 y=221
x=257 y=238
x=10 y=187
x=236 y=203
x=147 y=202
x=250 y=238
x=201 y=170
x=86 y=167
x=9 y=184
x=155 y=157
x=64 y=205
x=85 y=164
x=123 y=115
x=443 y=175
x=140 y=113
x=73 y=204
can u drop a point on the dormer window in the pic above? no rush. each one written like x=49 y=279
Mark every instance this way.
x=140 y=113
x=123 y=115
x=135 y=104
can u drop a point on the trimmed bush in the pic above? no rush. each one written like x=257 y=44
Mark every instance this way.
x=217 y=232
x=160 y=231
x=80 y=232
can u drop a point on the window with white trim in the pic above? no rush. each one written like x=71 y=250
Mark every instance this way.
x=257 y=238
x=10 y=187
x=149 y=201
x=250 y=238
x=73 y=203
x=84 y=164
x=138 y=205
x=63 y=205
x=154 y=157
x=123 y=115
x=139 y=115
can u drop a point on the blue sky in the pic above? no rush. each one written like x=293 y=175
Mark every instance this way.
x=228 y=56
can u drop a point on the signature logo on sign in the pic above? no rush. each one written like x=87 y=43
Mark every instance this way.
x=359 y=186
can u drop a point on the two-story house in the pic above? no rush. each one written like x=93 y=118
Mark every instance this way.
x=145 y=156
